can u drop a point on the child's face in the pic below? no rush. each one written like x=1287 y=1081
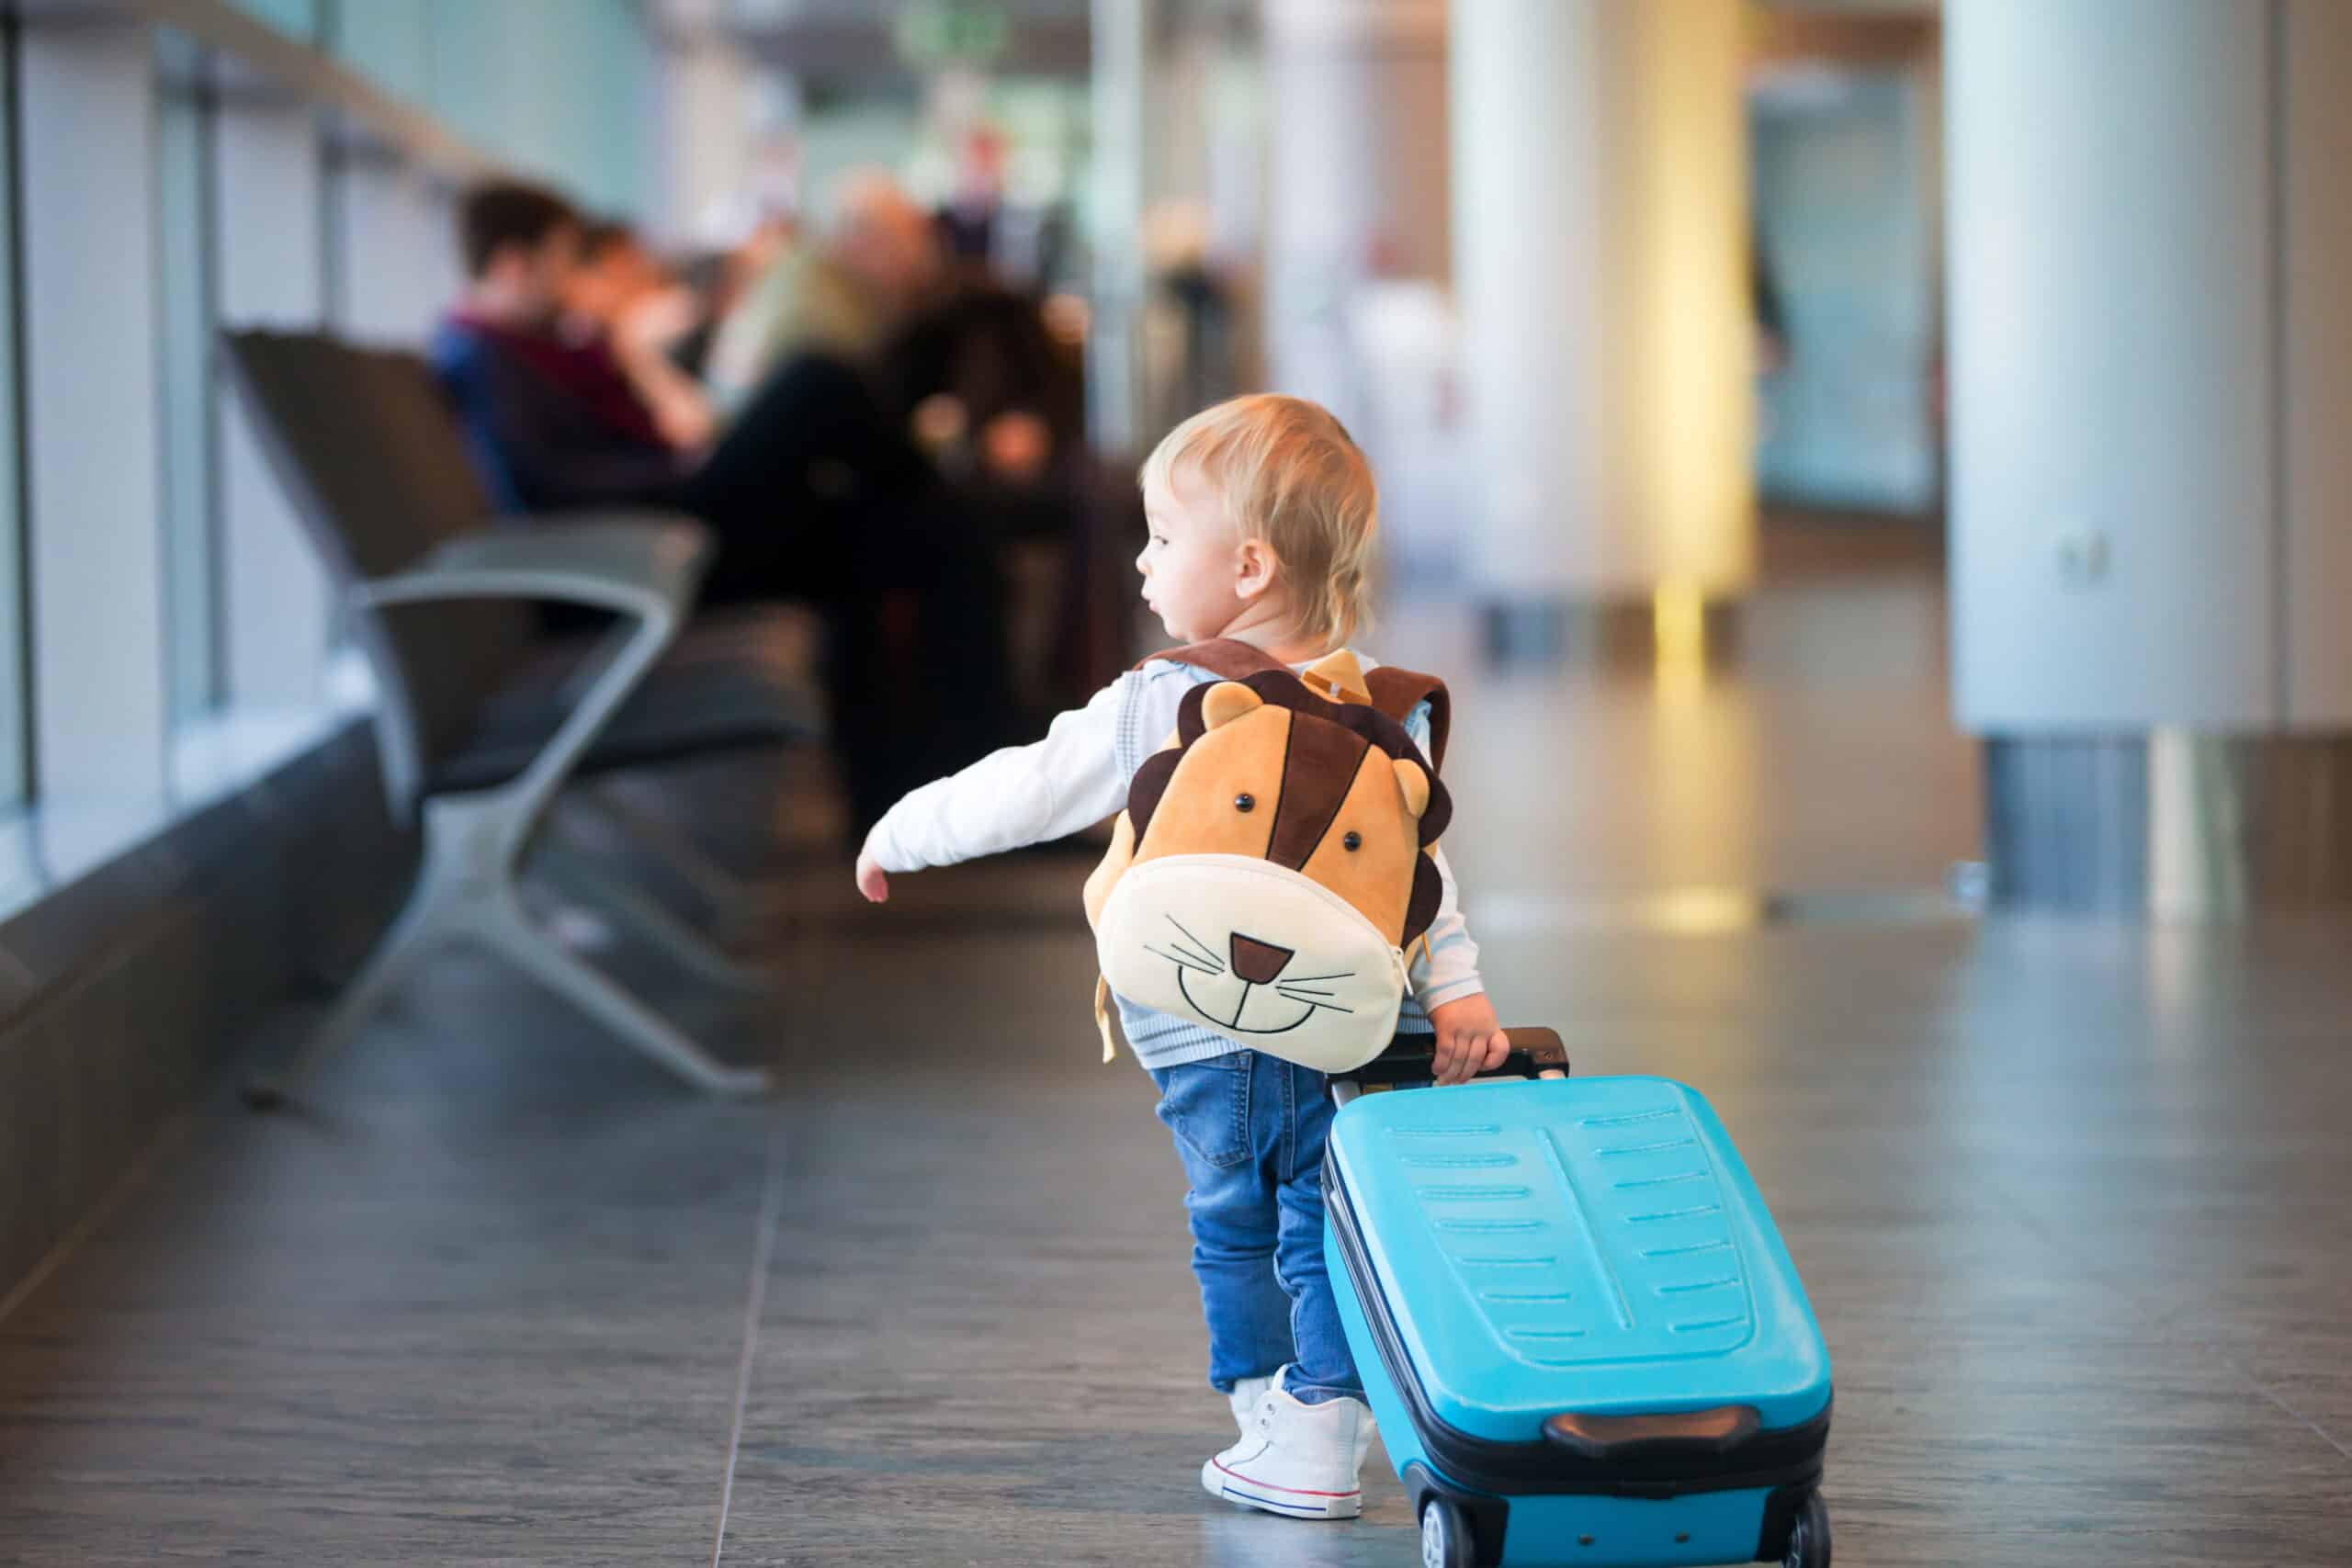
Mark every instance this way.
x=1198 y=572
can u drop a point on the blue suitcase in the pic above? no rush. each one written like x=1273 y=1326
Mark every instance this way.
x=1578 y=1330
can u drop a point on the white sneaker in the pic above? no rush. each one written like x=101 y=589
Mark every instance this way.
x=1304 y=1461
x=1244 y=1396
x=1244 y=1399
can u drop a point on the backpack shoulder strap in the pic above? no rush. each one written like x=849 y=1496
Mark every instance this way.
x=1226 y=657
x=1398 y=692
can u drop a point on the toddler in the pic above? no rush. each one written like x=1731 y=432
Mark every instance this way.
x=1263 y=518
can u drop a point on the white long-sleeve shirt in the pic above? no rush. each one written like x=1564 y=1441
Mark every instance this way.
x=1077 y=776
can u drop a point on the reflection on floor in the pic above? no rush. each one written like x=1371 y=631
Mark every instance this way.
x=2069 y=1197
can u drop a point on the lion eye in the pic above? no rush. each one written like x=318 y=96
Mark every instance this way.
x=1352 y=841
x=1244 y=802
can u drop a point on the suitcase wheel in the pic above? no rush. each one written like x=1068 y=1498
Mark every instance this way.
x=1809 y=1536
x=1446 y=1536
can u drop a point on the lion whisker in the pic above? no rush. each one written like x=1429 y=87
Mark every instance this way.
x=1196 y=942
x=1183 y=960
x=1319 y=1007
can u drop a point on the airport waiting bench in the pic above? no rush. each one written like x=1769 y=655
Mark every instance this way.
x=482 y=719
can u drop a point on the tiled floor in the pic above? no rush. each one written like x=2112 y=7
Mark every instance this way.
x=2071 y=1200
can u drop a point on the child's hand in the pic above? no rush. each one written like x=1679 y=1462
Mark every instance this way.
x=871 y=880
x=1470 y=1040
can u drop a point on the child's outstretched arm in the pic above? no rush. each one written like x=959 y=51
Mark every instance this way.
x=1023 y=794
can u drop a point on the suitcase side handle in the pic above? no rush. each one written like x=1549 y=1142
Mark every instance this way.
x=1410 y=1060
x=1623 y=1440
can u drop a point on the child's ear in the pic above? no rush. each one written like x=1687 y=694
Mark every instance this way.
x=1255 y=566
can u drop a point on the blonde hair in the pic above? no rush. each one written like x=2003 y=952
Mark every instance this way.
x=1291 y=477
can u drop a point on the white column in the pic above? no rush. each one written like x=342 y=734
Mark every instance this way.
x=1114 y=347
x=92 y=445
x=1356 y=178
x=268 y=241
x=1600 y=248
x=2150 y=363
x=2113 y=436
x=2151 y=331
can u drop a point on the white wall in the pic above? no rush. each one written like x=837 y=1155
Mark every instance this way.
x=268 y=241
x=397 y=252
x=92 y=445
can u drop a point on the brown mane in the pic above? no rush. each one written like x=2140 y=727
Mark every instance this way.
x=1374 y=728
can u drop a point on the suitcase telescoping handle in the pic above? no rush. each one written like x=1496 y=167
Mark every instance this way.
x=1411 y=1063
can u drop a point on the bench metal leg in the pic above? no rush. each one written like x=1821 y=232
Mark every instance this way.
x=637 y=1025
x=584 y=876
x=734 y=900
x=421 y=926
x=465 y=894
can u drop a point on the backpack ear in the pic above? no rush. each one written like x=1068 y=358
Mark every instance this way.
x=1415 y=782
x=1227 y=701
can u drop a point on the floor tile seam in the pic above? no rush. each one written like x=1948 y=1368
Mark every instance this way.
x=754 y=1309
x=2283 y=1402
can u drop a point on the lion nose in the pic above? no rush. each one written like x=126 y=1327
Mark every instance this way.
x=1258 y=962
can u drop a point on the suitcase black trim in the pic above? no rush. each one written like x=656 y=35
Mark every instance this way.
x=1784 y=1457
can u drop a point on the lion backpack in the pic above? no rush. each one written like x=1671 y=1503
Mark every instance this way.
x=1272 y=865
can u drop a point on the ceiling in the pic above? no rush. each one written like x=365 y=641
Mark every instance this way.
x=848 y=41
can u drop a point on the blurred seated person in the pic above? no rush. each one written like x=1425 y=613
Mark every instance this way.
x=992 y=378
x=549 y=416
x=537 y=355
x=813 y=490
x=621 y=292
x=837 y=296
x=995 y=394
x=991 y=391
x=722 y=277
